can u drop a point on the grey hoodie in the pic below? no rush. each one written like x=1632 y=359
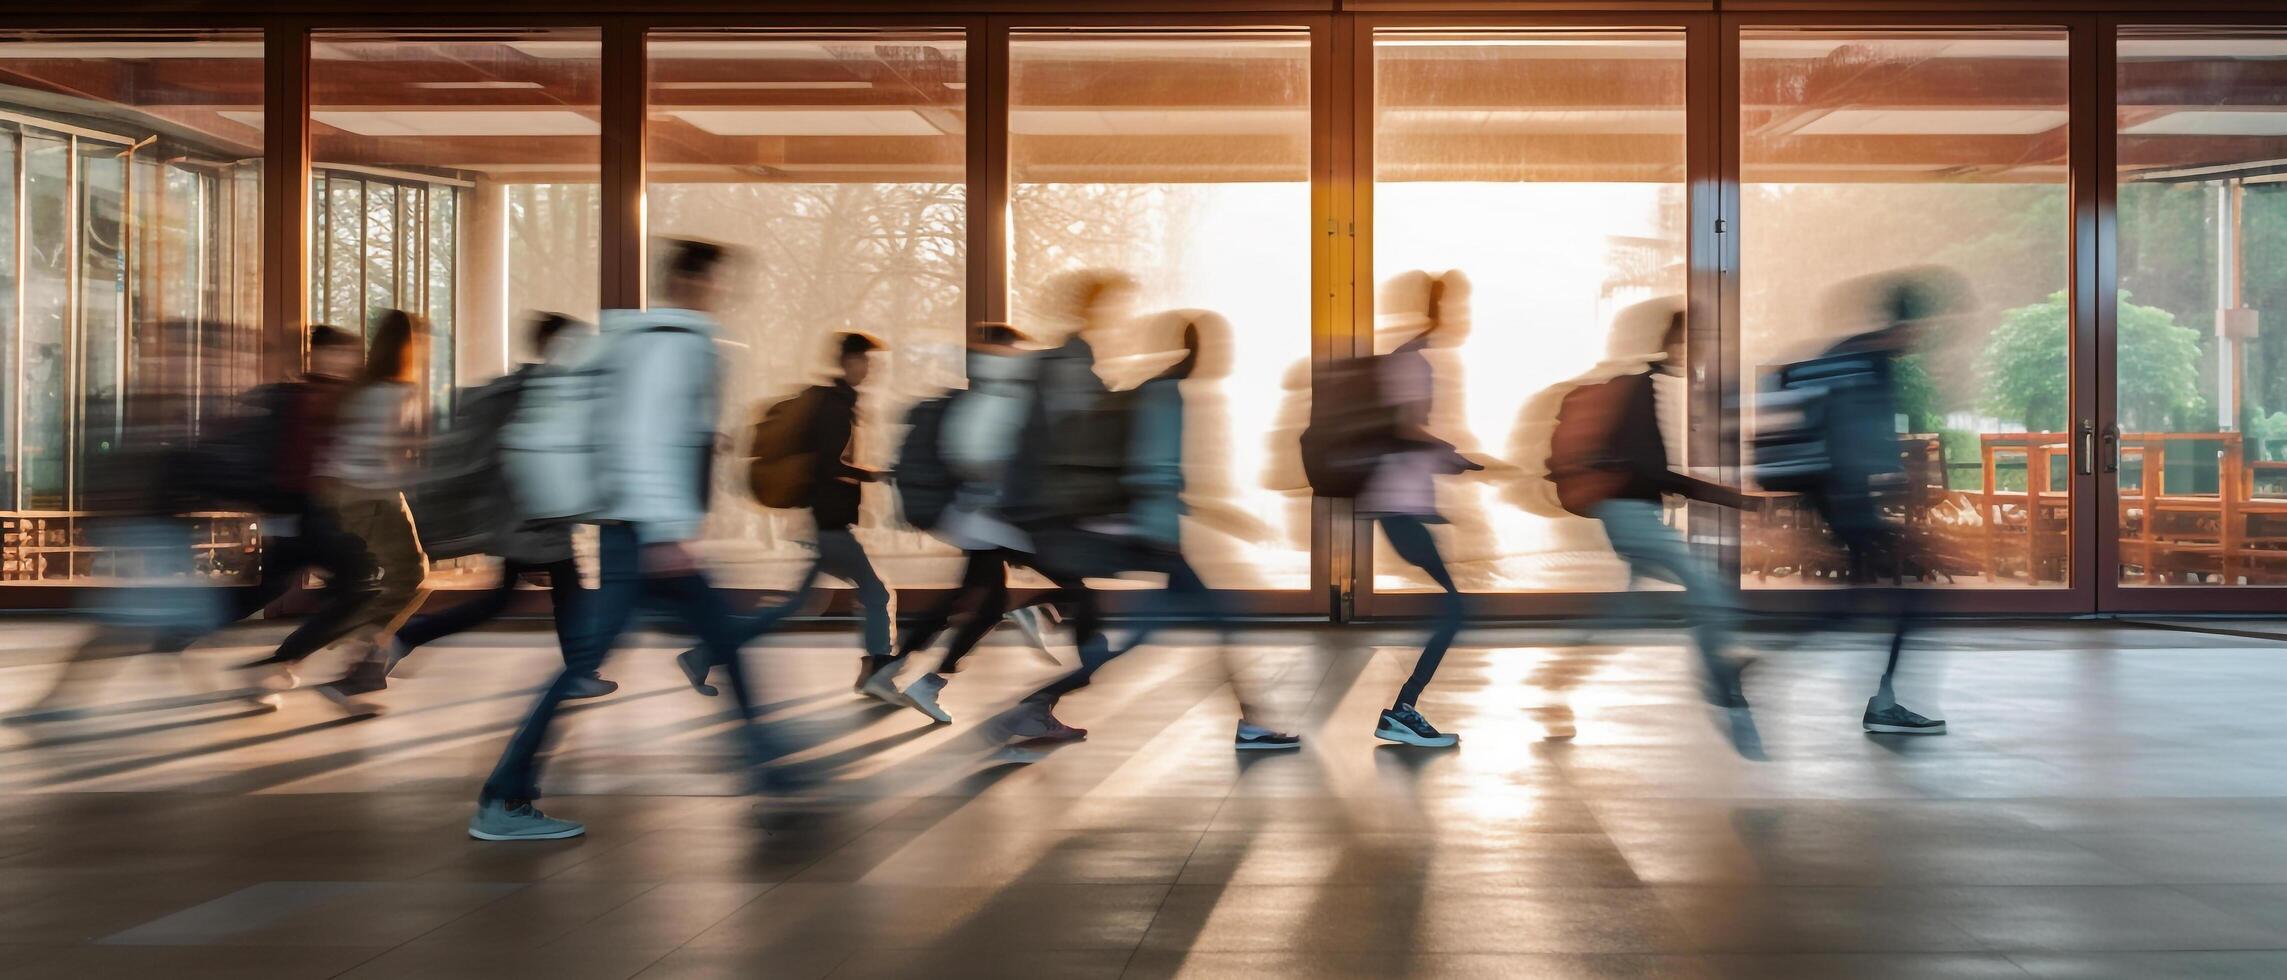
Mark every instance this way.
x=659 y=422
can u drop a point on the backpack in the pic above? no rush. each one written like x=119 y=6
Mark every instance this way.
x=1795 y=424
x=460 y=502
x=549 y=446
x=781 y=465
x=1078 y=463
x=1580 y=446
x=1351 y=427
x=243 y=459
x=925 y=484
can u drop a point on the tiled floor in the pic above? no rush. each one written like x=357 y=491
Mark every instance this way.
x=2111 y=804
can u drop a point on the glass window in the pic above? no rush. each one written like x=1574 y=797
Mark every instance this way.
x=1539 y=176
x=129 y=263
x=1183 y=159
x=2202 y=207
x=455 y=177
x=1939 y=155
x=836 y=162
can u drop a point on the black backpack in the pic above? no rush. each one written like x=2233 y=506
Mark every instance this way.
x=1351 y=427
x=1796 y=421
x=1073 y=468
x=925 y=485
x=460 y=502
x=239 y=459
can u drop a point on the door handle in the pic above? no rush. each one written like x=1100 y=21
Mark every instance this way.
x=2087 y=452
x=2112 y=447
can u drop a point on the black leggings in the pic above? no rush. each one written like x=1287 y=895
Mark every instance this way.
x=564 y=594
x=1409 y=537
x=979 y=604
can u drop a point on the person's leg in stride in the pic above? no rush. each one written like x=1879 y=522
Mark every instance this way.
x=465 y=615
x=1035 y=717
x=1653 y=550
x=505 y=808
x=841 y=556
x=1403 y=723
x=692 y=600
x=349 y=568
x=978 y=606
x=696 y=663
x=386 y=526
x=1194 y=604
x=1896 y=605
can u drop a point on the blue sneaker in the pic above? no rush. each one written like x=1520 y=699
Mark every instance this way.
x=499 y=821
x=1406 y=726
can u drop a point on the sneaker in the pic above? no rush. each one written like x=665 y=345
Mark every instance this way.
x=1738 y=724
x=1253 y=736
x=866 y=667
x=922 y=695
x=499 y=821
x=366 y=677
x=589 y=686
x=1037 y=723
x=265 y=702
x=1896 y=720
x=695 y=668
x=881 y=685
x=1406 y=726
x=1027 y=620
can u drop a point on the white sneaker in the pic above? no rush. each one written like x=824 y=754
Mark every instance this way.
x=881 y=685
x=1027 y=620
x=922 y=695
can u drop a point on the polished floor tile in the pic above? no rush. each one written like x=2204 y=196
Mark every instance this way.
x=1592 y=823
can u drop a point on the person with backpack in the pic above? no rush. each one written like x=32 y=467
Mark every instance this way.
x=950 y=479
x=829 y=483
x=478 y=486
x=1399 y=489
x=638 y=411
x=1608 y=460
x=264 y=459
x=1839 y=447
x=1122 y=509
x=358 y=486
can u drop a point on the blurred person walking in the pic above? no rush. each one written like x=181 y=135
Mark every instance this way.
x=264 y=458
x=359 y=485
x=637 y=423
x=1121 y=510
x=951 y=478
x=1609 y=461
x=1369 y=439
x=476 y=495
x=1827 y=428
x=821 y=473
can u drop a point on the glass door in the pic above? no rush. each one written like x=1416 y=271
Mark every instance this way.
x=1910 y=190
x=2195 y=439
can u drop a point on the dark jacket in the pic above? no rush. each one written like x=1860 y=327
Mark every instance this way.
x=1862 y=435
x=836 y=489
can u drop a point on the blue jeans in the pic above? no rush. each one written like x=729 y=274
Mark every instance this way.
x=841 y=556
x=1653 y=550
x=688 y=598
x=1409 y=537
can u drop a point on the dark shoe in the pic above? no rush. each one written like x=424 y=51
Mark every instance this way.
x=1406 y=726
x=1896 y=720
x=394 y=652
x=1255 y=737
x=1039 y=723
x=589 y=686
x=695 y=668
